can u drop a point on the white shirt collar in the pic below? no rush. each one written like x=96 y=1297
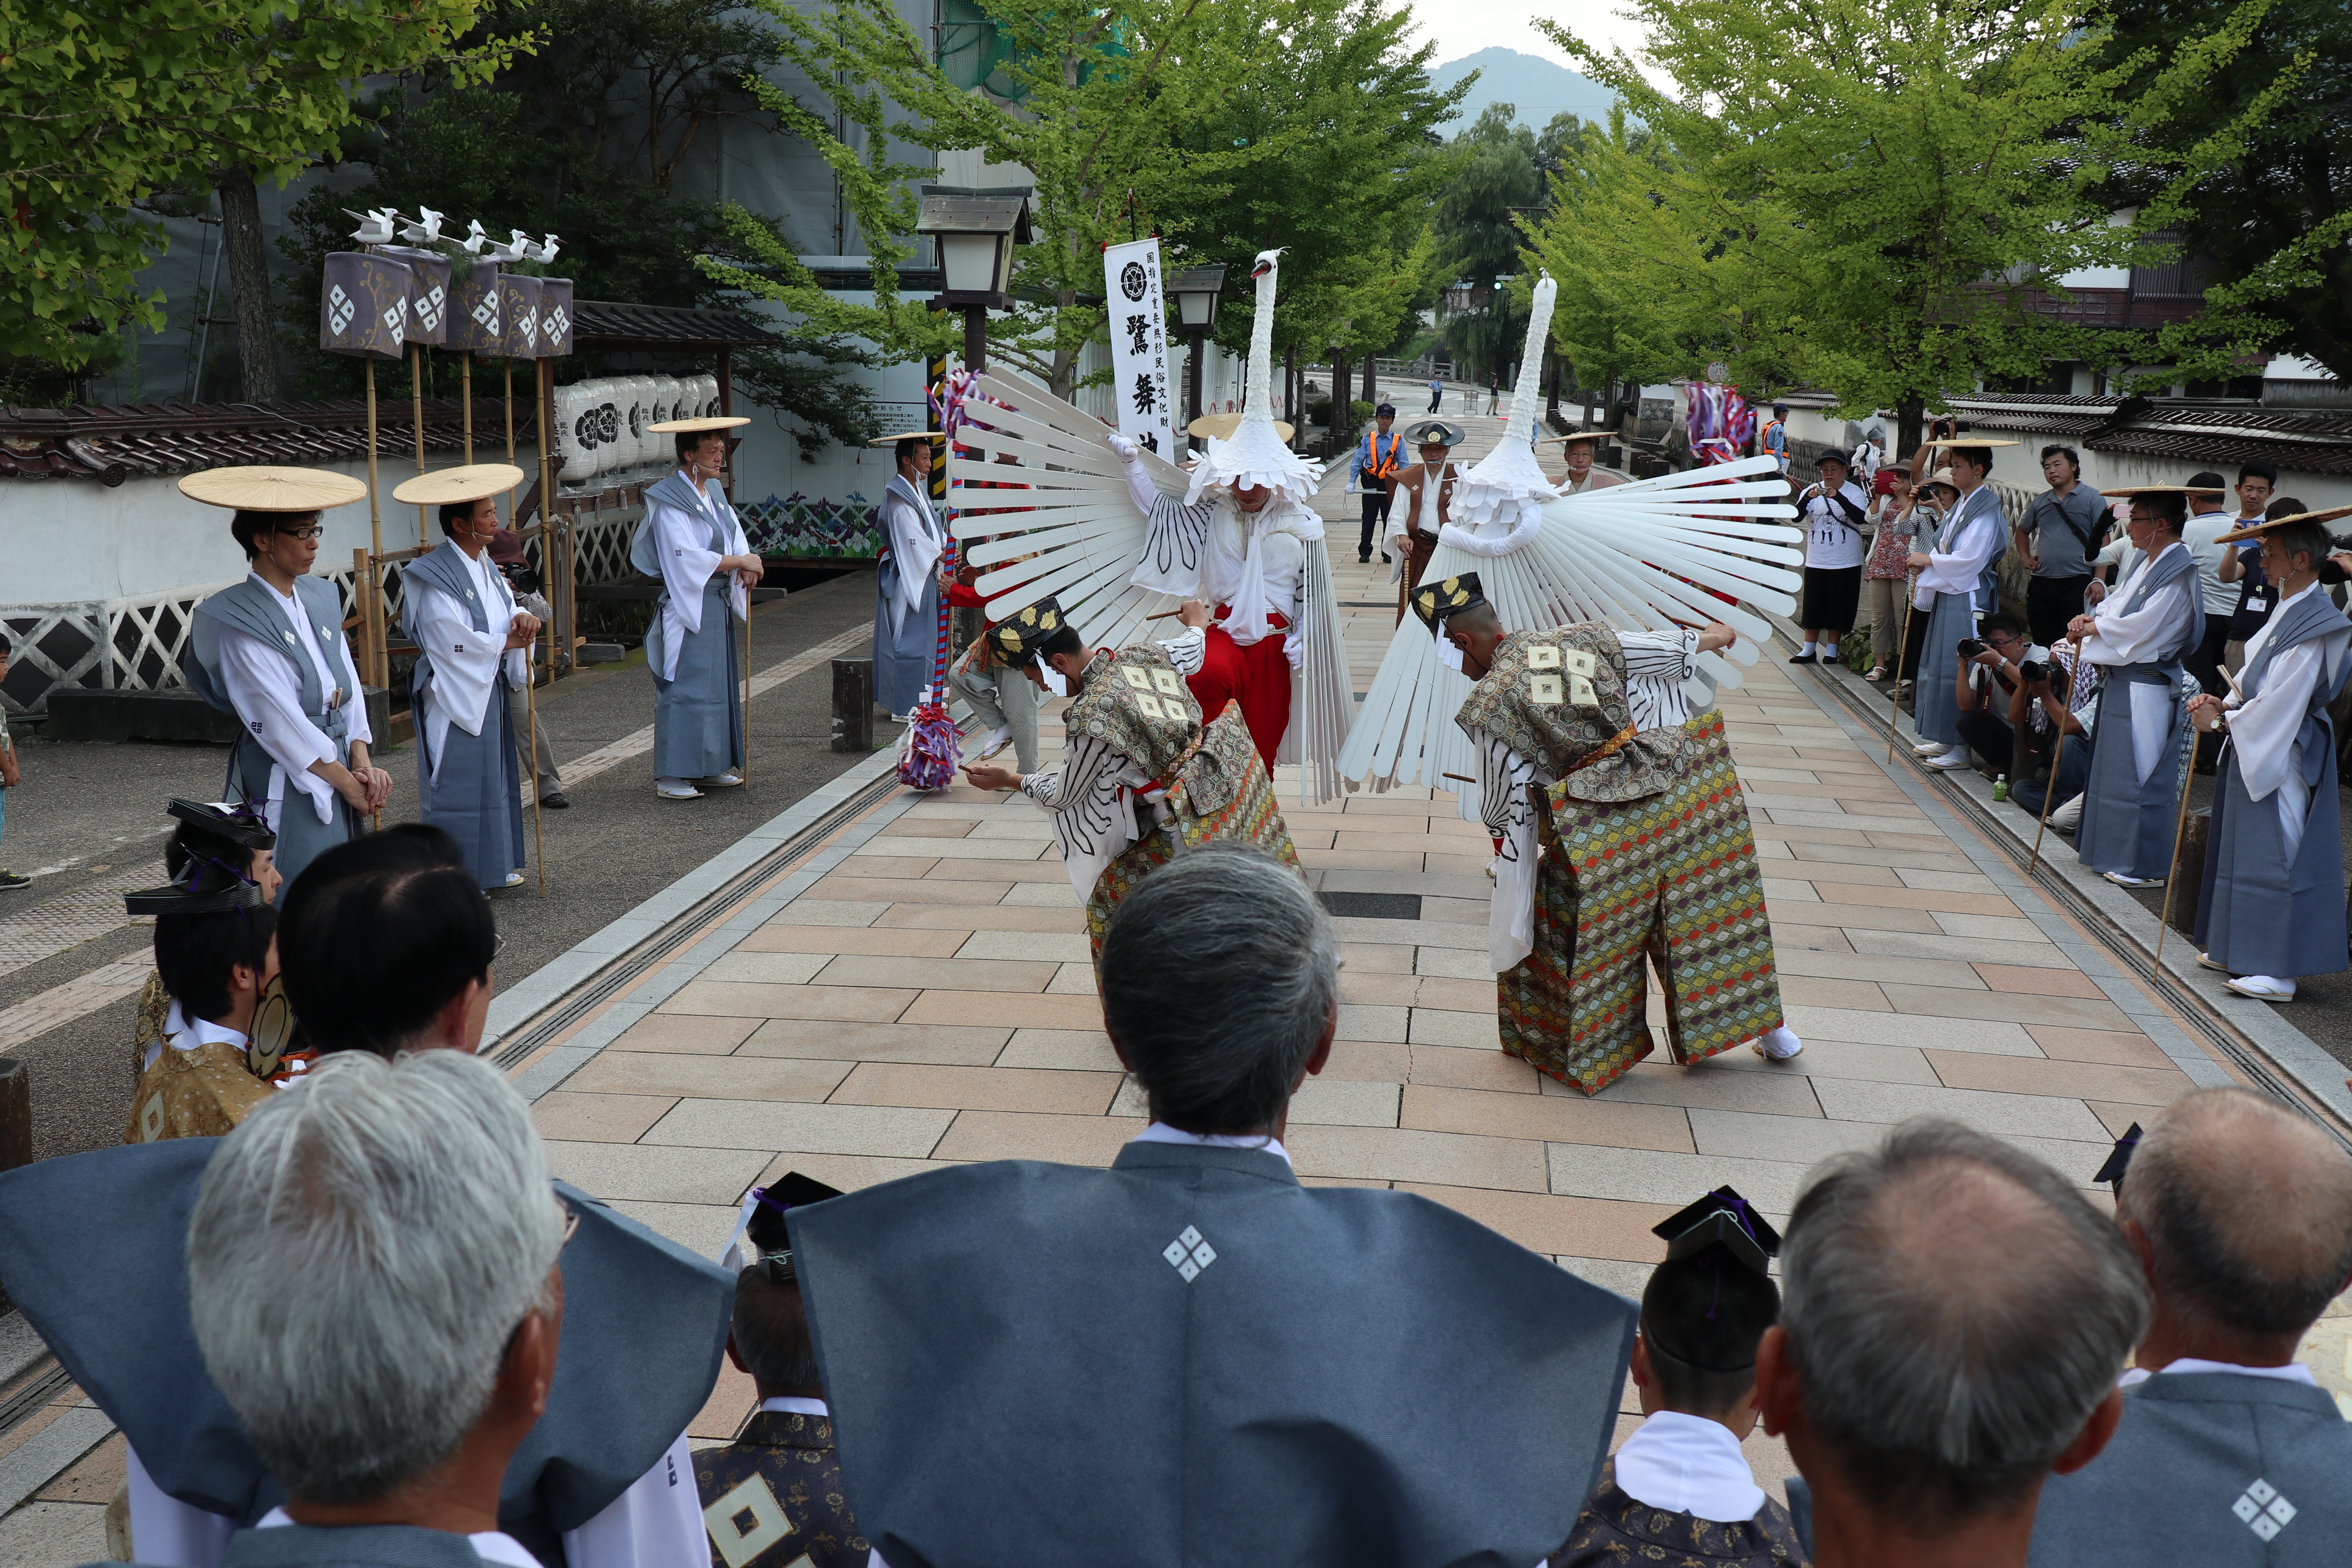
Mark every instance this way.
x=1161 y=1132
x=490 y=1545
x=794 y=1404
x=185 y=1034
x=2293 y=1371
x=1688 y=1464
x=285 y=598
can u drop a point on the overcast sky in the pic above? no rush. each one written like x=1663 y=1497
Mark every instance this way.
x=1460 y=27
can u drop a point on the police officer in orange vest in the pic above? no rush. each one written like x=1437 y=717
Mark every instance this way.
x=1378 y=458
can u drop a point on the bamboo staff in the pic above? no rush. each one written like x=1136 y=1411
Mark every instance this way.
x=1902 y=652
x=466 y=385
x=512 y=521
x=530 y=749
x=546 y=555
x=2179 y=829
x=747 y=686
x=416 y=413
x=2057 y=757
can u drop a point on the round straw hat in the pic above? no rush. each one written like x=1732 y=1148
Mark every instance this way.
x=709 y=421
x=447 y=486
x=264 y=489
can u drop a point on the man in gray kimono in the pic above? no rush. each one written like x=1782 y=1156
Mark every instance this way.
x=270 y=650
x=472 y=640
x=2228 y=1452
x=2138 y=634
x=908 y=631
x=2273 y=906
x=1191 y=1358
x=1953 y=1317
x=1959 y=580
x=692 y=541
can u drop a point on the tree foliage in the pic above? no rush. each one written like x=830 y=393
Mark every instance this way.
x=2272 y=224
x=1881 y=218
x=103 y=105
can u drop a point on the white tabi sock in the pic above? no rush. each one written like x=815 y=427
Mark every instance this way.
x=1780 y=1044
x=1808 y=646
x=1829 y=647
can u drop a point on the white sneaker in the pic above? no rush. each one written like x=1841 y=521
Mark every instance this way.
x=998 y=739
x=728 y=780
x=1958 y=757
x=1779 y=1045
x=676 y=789
x=2263 y=987
x=2120 y=881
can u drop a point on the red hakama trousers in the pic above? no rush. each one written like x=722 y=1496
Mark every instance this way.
x=1256 y=676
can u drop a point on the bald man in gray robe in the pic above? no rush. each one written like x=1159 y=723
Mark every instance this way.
x=2230 y=1451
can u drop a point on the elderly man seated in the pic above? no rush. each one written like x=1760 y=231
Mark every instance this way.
x=1954 y=1314
x=372 y=1274
x=1190 y=1357
x=2241 y=1212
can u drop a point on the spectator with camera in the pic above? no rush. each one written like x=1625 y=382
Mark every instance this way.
x=1986 y=687
x=1833 y=513
x=2055 y=696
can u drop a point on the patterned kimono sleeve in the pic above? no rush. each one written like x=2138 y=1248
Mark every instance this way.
x=1504 y=776
x=1175 y=545
x=1656 y=665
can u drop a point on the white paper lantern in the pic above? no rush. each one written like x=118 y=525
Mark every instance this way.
x=651 y=448
x=605 y=407
x=575 y=431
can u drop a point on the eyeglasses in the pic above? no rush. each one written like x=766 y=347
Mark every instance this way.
x=313 y=532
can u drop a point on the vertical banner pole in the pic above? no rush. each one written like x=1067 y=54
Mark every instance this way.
x=466 y=383
x=416 y=412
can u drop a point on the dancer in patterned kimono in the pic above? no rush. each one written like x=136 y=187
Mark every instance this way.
x=692 y=541
x=473 y=649
x=1679 y=1490
x=907 y=611
x=2137 y=635
x=1959 y=582
x=271 y=651
x=1143 y=779
x=1619 y=835
x=2272 y=907
x=215 y=1050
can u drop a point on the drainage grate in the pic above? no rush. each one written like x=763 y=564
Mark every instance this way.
x=1373 y=906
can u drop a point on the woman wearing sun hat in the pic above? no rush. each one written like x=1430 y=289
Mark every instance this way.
x=271 y=651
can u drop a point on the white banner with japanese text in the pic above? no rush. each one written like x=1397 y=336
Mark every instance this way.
x=1138 y=345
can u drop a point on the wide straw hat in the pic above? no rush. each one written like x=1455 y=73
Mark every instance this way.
x=901 y=435
x=709 y=421
x=2256 y=529
x=448 y=487
x=1221 y=427
x=264 y=488
x=2127 y=491
x=1965 y=441
x=1577 y=435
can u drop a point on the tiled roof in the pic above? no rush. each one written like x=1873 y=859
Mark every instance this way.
x=2054 y=413
x=603 y=323
x=113 y=443
x=2315 y=440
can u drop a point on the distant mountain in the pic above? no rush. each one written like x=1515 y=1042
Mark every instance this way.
x=1534 y=87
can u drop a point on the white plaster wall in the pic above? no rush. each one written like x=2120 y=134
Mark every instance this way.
x=68 y=541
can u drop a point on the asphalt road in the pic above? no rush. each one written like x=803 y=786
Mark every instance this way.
x=90 y=810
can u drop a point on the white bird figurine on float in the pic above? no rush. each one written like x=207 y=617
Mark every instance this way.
x=1640 y=557
x=476 y=237
x=517 y=246
x=545 y=249
x=426 y=232
x=1079 y=531
x=375 y=227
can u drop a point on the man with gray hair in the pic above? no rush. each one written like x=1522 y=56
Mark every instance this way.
x=1190 y=1357
x=1953 y=1318
x=373 y=1276
x=2241 y=1213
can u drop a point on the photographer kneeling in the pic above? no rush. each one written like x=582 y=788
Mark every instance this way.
x=2046 y=699
x=1983 y=666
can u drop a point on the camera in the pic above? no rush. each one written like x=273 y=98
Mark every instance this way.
x=2032 y=671
x=1970 y=647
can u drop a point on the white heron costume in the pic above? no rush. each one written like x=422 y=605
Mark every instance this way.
x=1117 y=533
x=1638 y=557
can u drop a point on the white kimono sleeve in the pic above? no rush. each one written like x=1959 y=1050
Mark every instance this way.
x=268 y=701
x=1091 y=823
x=1503 y=806
x=2119 y=639
x=465 y=662
x=1188 y=652
x=914 y=553
x=1957 y=572
x=2265 y=728
x=654 y=1524
x=1656 y=665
